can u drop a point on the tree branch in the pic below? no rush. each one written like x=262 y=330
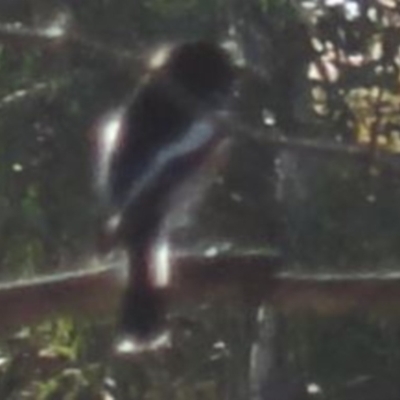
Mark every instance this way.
x=55 y=37
x=98 y=291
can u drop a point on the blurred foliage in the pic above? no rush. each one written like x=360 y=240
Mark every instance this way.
x=65 y=359
x=326 y=72
x=46 y=362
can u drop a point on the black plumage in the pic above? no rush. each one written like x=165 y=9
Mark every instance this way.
x=161 y=138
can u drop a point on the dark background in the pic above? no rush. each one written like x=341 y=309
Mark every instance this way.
x=319 y=186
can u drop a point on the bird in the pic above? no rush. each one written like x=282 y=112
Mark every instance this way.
x=151 y=145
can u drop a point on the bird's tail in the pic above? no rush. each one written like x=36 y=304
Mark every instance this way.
x=143 y=314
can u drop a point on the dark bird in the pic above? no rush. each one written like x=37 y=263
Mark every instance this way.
x=149 y=148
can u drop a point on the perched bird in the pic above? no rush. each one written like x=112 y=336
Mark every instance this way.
x=150 y=147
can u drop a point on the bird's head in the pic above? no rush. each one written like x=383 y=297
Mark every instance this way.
x=202 y=71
